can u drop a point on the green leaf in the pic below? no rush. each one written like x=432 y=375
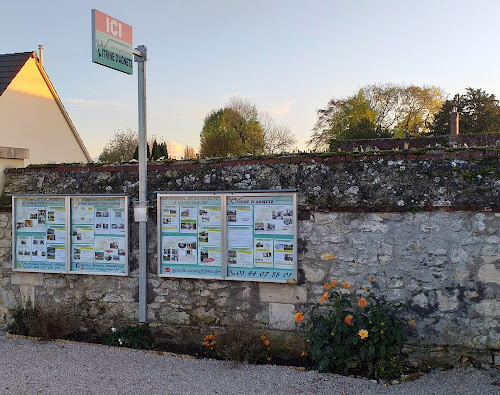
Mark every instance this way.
x=352 y=364
x=371 y=350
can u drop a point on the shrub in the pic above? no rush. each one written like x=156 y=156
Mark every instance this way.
x=238 y=342
x=138 y=337
x=46 y=322
x=352 y=332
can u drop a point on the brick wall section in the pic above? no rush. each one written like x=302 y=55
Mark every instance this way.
x=400 y=181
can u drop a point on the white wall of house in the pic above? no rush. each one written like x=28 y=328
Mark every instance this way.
x=31 y=118
x=11 y=157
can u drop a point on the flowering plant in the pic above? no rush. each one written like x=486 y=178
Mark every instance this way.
x=349 y=331
x=239 y=342
x=139 y=337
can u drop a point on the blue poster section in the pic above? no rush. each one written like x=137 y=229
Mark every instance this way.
x=261 y=237
x=98 y=235
x=191 y=236
x=40 y=234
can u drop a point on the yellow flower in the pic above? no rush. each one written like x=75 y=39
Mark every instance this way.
x=348 y=319
x=346 y=285
x=364 y=289
x=266 y=343
x=362 y=302
x=412 y=323
x=299 y=317
x=334 y=283
x=327 y=286
x=363 y=334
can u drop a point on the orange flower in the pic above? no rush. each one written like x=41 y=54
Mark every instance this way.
x=323 y=298
x=266 y=343
x=412 y=323
x=348 y=320
x=346 y=285
x=362 y=302
x=264 y=338
x=381 y=332
x=268 y=358
x=363 y=334
x=326 y=286
x=334 y=283
x=372 y=278
x=299 y=317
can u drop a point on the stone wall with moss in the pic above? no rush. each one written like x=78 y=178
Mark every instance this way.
x=424 y=224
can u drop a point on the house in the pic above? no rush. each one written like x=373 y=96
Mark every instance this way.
x=32 y=116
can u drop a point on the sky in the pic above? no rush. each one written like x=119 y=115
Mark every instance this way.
x=289 y=57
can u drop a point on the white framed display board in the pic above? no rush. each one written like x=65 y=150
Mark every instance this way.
x=248 y=236
x=77 y=234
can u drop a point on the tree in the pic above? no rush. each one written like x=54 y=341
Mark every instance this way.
x=120 y=148
x=157 y=151
x=217 y=139
x=239 y=128
x=479 y=113
x=232 y=130
x=189 y=152
x=378 y=111
x=277 y=138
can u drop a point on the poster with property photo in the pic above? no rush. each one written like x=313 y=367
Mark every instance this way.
x=190 y=233
x=38 y=221
x=99 y=237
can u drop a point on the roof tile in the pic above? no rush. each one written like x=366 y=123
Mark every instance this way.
x=10 y=64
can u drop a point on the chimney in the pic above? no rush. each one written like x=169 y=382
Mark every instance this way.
x=454 y=126
x=40 y=55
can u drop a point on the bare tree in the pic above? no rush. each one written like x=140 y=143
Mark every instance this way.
x=277 y=138
x=189 y=152
x=121 y=147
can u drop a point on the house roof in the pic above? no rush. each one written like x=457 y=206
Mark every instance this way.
x=10 y=64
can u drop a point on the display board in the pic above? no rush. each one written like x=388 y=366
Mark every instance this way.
x=228 y=235
x=71 y=234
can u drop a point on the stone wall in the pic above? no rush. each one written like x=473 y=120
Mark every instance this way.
x=425 y=227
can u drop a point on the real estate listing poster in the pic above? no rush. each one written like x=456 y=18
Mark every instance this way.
x=98 y=235
x=260 y=236
x=190 y=235
x=40 y=234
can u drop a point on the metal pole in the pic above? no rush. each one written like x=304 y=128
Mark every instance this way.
x=143 y=175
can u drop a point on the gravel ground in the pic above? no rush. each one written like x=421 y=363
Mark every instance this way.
x=37 y=367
